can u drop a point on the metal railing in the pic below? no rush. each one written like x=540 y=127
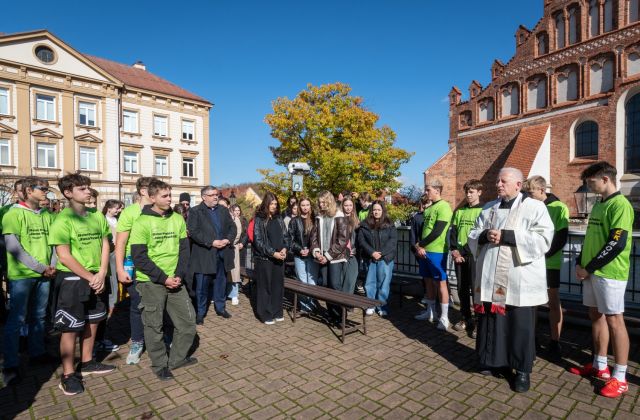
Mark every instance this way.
x=570 y=288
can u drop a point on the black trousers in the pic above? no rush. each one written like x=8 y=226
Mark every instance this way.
x=507 y=340
x=269 y=289
x=464 y=275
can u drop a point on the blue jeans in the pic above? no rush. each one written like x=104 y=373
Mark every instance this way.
x=204 y=293
x=29 y=297
x=135 y=313
x=307 y=271
x=233 y=289
x=378 y=281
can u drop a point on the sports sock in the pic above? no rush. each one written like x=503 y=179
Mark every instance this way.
x=619 y=372
x=600 y=362
x=444 y=307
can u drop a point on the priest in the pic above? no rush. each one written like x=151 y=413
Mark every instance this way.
x=509 y=241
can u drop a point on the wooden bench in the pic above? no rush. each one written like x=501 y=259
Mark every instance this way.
x=336 y=297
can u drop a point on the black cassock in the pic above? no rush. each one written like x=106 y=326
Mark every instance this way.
x=507 y=340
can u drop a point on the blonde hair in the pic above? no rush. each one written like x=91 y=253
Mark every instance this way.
x=535 y=182
x=435 y=183
x=332 y=207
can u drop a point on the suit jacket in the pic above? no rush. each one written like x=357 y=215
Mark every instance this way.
x=204 y=256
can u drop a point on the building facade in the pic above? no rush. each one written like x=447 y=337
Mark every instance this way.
x=570 y=96
x=62 y=111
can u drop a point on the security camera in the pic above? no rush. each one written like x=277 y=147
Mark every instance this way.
x=299 y=168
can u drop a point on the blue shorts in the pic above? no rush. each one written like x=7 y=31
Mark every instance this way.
x=434 y=266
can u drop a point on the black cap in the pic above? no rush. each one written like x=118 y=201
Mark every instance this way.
x=185 y=197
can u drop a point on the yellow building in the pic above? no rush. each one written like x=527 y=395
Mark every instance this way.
x=63 y=111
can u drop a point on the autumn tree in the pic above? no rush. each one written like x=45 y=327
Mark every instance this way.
x=338 y=137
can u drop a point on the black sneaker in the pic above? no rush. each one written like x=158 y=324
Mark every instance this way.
x=92 y=367
x=186 y=362
x=71 y=384
x=10 y=376
x=164 y=374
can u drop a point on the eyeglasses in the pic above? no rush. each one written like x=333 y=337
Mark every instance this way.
x=40 y=188
x=211 y=195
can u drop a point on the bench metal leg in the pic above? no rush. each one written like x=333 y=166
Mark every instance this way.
x=344 y=321
x=364 y=321
x=295 y=306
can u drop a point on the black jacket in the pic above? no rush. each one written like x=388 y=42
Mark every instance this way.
x=204 y=256
x=299 y=239
x=382 y=240
x=261 y=245
x=140 y=255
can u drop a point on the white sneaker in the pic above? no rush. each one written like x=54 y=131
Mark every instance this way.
x=443 y=324
x=370 y=311
x=269 y=322
x=279 y=319
x=425 y=316
x=234 y=301
x=382 y=312
x=135 y=351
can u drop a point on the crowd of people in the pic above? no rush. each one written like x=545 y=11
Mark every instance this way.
x=74 y=266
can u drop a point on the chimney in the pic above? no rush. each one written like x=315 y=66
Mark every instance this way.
x=139 y=65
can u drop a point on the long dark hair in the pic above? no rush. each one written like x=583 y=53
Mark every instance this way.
x=263 y=210
x=111 y=204
x=384 y=221
x=307 y=221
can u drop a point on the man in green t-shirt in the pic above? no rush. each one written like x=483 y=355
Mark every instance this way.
x=603 y=268
x=17 y=191
x=431 y=251
x=29 y=268
x=463 y=220
x=123 y=252
x=536 y=187
x=160 y=250
x=81 y=239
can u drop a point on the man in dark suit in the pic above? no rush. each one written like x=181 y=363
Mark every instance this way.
x=212 y=232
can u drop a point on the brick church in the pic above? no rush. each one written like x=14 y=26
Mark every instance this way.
x=569 y=96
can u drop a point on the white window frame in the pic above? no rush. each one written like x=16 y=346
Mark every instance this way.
x=191 y=164
x=132 y=160
x=84 y=110
x=161 y=125
x=90 y=156
x=4 y=98
x=5 y=152
x=161 y=165
x=188 y=129
x=49 y=150
x=45 y=105
x=132 y=118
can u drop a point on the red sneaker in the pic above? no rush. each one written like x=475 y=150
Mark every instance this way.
x=614 y=388
x=589 y=370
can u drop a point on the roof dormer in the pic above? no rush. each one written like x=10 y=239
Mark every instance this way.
x=455 y=96
x=474 y=89
x=521 y=35
x=496 y=69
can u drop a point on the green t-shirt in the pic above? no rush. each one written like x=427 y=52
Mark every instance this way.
x=614 y=212
x=463 y=219
x=125 y=222
x=438 y=211
x=3 y=211
x=559 y=213
x=161 y=235
x=32 y=229
x=83 y=234
x=363 y=214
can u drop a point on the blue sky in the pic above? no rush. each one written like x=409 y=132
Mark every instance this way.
x=401 y=56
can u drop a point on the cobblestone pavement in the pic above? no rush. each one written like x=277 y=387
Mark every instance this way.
x=401 y=369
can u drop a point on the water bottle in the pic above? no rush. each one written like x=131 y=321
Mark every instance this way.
x=128 y=266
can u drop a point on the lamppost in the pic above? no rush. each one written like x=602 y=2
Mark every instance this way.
x=585 y=200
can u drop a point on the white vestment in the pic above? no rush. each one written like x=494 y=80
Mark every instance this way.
x=527 y=277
